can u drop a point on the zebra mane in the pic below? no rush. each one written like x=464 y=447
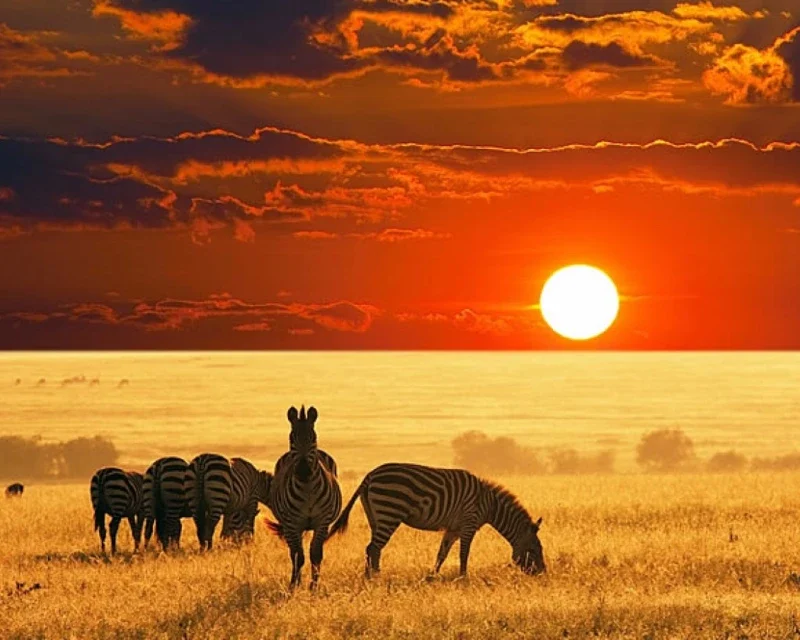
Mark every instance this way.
x=504 y=497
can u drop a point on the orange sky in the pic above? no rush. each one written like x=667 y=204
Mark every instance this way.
x=392 y=174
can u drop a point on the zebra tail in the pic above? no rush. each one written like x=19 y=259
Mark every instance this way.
x=340 y=526
x=275 y=528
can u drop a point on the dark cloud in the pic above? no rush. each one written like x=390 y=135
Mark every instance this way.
x=54 y=183
x=205 y=181
x=259 y=38
x=253 y=37
x=579 y=55
x=441 y=54
x=175 y=314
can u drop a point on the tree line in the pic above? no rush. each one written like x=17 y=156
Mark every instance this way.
x=662 y=450
x=35 y=459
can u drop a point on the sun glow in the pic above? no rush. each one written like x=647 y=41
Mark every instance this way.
x=579 y=302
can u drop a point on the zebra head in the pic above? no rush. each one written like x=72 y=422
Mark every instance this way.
x=303 y=437
x=527 y=553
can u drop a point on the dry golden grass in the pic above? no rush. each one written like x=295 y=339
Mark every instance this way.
x=628 y=557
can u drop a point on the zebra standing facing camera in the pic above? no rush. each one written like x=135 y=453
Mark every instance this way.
x=305 y=494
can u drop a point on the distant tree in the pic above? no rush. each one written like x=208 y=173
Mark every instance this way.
x=665 y=450
x=484 y=455
x=83 y=456
x=786 y=462
x=570 y=461
x=726 y=462
x=22 y=457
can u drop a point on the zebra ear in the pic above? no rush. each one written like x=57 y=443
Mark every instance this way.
x=292 y=415
x=538 y=523
x=312 y=414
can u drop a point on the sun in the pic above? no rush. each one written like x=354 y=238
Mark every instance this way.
x=579 y=302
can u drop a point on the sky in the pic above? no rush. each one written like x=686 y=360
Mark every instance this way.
x=396 y=174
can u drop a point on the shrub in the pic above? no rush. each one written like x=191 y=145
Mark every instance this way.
x=787 y=462
x=482 y=454
x=726 y=461
x=570 y=461
x=665 y=450
x=31 y=458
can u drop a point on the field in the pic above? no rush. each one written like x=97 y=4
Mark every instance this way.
x=629 y=556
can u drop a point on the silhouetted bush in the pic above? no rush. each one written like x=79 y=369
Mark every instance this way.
x=31 y=458
x=787 y=462
x=570 y=461
x=726 y=461
x=82 y=456
x=484 y=455
x=665 y=450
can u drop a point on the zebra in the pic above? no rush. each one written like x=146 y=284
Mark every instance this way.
x=165 y=500
x=117 y=493
x=15 y=490
x=249 y=486
x=305 y=494
x=450 y=500
x=208 y=490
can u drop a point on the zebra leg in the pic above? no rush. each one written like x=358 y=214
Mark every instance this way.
x=136 y=531
x=200 y=525
x=448 y=541
x=295 y=542
x=175 y=540
x=379 y=539
x=102 y=530
x=148 y=532
x=115 y=520
x=172 y=532
x=317 y=543
x=211 y=525
x=466 y=541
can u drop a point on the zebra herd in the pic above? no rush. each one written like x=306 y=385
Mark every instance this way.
x=207 y=489
x=303 y=493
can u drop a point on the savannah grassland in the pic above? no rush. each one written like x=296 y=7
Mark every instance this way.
x=629 y=556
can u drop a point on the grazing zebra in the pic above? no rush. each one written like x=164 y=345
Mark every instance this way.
x=240 y=525
x=165 y=500
x=117 y=493
x=450 y=500
x=305 y=494
x=208 y=490
x=14 y=490
x=249 y=486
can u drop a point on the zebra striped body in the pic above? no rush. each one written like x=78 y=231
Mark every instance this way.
x=165 y=500
x=249 y=486
x=117 y=493
x=208 y=491
x=450 y=500
x=305 y=494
